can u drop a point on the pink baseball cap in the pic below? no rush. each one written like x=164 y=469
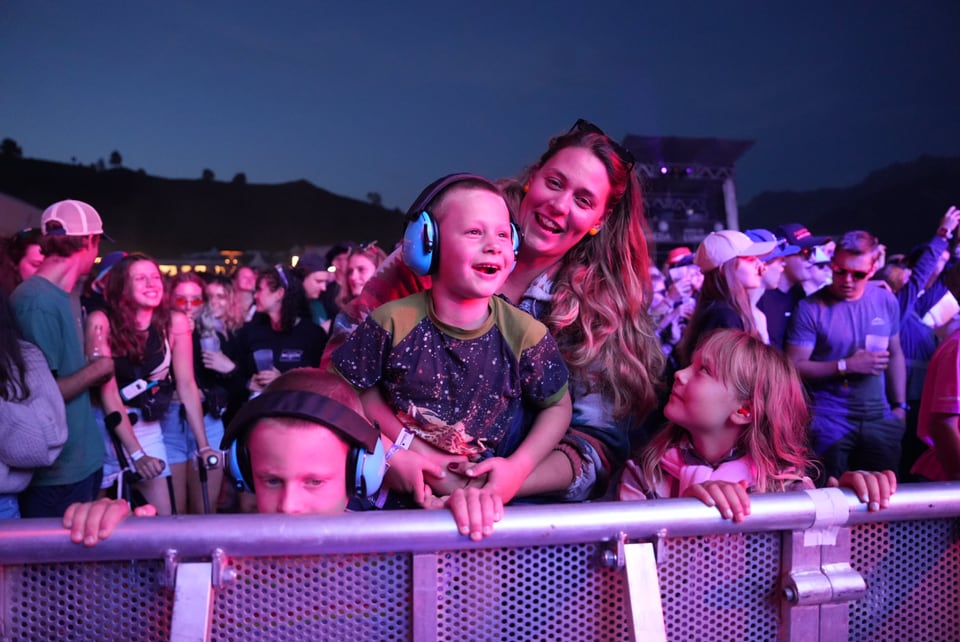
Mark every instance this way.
x=75 y=218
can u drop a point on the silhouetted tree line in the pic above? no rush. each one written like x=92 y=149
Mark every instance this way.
x=10 y=148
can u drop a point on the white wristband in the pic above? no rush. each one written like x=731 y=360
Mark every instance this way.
x=404 y=439
x=137 y=455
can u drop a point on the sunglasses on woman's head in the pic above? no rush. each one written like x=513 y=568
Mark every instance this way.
x=626 y=156
x=182 y=301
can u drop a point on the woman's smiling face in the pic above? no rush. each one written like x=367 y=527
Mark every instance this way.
x=567 y=197
x=145 y=284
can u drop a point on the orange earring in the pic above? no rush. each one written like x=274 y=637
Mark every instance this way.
x=594 y=231
x=743 y=412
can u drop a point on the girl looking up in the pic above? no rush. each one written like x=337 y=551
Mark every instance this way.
x=737 y=423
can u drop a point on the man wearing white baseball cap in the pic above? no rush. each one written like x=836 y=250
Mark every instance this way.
x=731 y=268
x=70 y=244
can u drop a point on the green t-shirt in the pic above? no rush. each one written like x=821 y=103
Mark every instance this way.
x=46 y=319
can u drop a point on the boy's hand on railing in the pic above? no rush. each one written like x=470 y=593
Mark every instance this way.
x=504 y=477
x=92 y=522
x=730 y=498
x=873 y=488
x=475 y=510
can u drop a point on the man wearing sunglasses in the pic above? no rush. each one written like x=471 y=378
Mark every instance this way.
x=845 y=342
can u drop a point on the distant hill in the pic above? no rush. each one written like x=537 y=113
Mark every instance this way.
x=166 y=217
x=902 y=204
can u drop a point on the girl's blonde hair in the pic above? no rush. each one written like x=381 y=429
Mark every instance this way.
x=763 y=378
x=233 y=316
x=374 y=254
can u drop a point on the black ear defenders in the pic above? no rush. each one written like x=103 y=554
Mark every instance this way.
x=365 y=460
x=421 y=236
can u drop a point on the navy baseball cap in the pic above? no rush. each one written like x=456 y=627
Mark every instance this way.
x=797 y=234
x=761 y=235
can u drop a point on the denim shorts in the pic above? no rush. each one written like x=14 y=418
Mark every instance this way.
x=179 y=439
x=148 y=434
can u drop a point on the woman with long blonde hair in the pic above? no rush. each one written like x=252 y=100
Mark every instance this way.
x=582 y=269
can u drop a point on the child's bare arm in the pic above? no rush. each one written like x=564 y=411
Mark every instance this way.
x=428 y=465
x=508 y=474
x=379 y=412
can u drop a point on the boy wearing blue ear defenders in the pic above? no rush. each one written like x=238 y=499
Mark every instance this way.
x=303 y=446
x=473 y=378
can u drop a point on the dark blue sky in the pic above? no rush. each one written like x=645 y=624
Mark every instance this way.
x=376 y=96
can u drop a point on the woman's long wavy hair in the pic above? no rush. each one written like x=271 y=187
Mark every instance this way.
x=125 y=340
x=12 y=251
x=293 y=306
x=720 y=284
x=764 y=378
x=232 y=318
x=602 y=289
x=376 y=256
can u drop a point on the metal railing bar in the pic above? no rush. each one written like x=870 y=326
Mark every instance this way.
x=195 y=537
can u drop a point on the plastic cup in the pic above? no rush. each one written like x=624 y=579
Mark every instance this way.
x=263 y=358
x=210 y=344
x=876 y=343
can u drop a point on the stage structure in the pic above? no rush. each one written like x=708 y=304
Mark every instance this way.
x=688 y=186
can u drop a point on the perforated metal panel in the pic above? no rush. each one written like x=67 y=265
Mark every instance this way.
x=536 y=593
x=713 y=588
x=912 y=571
x=341 y=597
x=720 y=587
x=103 y=601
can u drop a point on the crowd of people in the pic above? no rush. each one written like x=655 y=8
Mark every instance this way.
x=518 y=346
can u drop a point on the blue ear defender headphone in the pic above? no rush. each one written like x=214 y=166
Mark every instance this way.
x=366 y=464
x=421 y=236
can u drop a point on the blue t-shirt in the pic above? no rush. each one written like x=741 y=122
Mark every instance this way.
x=46 y=319
x=836 y=329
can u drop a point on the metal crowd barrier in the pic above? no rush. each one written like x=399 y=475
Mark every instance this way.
x=811 y=565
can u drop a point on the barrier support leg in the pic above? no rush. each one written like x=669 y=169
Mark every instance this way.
x=192 y=602
x=645 y=610
x=819 y=585
x=425 y=597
